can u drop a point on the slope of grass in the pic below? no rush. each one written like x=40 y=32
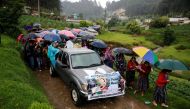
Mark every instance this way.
x=177 y=50
x=126 y=40
x=18 y=87
x=45 y=22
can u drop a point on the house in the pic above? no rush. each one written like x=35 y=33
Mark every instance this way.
x=184 y=20
x=120 y=13
x=74 y=16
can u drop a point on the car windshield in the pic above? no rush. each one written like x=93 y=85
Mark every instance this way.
x=85 y=60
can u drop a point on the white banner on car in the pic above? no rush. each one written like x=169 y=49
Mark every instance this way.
x=103 y=85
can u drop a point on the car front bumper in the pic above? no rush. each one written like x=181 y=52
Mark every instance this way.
x=89 y=98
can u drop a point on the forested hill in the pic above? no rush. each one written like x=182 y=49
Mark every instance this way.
x=135 y=7
x=144 y=7
x=47 y=4
x=88 y=8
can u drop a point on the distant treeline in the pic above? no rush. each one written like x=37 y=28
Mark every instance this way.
x=145 y=7
x=54 y=5
x=87 y=8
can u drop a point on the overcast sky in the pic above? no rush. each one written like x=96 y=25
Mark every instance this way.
x=102 y=2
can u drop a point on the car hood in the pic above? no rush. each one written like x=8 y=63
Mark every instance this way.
x=82 y=73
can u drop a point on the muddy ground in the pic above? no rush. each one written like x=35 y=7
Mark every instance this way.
x=60 y=97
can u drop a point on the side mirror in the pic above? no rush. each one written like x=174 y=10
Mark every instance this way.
x=64 y=65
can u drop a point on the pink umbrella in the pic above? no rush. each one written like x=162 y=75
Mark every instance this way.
x=77 y=30
x=67 y=33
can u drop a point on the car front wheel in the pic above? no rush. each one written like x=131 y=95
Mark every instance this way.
x=75 y=95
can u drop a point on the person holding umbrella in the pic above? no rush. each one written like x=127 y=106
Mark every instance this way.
x=167 y=66
x=121 y=63
x=142 y=83
x=108 y=57
x=130 y=75
x=160 y=93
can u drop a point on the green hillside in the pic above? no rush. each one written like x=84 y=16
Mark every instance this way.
x=19 y=88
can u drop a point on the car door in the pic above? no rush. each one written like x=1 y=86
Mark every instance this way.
x=63 y=60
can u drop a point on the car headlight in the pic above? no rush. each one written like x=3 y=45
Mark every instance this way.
x=84 y=87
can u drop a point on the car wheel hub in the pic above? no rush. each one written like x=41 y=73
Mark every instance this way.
x=74 y=95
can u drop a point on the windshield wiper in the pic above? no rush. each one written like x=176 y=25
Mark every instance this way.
x=77 y=67
x=93 y=65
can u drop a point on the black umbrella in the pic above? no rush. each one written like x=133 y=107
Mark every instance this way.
x=99 y=44
x=32 y=36
x=87 y=37
x=122 y=50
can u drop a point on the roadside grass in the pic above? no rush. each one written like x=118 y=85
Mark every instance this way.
x=18 y=89
x=126 y=40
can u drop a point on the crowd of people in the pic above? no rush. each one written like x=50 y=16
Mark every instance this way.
x=128 y=70
x=40 y=54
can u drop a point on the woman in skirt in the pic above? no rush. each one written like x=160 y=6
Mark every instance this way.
x=142 y=83
x=160 y=93
x=130 y=75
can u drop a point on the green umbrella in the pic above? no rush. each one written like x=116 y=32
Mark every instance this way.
x=171 y=64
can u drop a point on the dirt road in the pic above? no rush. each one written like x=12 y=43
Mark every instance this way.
x=59 y=96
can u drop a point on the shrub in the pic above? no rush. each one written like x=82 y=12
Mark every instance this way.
x=160 y=22
x=85 y=24
x=113 y=22
x=181 y=47
x=169 y=36
x=133 y=27
x=71 y=25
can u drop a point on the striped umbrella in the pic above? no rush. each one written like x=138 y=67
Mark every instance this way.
x=146 y=54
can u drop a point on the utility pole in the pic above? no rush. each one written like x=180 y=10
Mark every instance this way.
x=39 y=10
x=105 y=15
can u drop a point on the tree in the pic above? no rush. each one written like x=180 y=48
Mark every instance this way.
x=169 y=36
x=160 y=22
x=113 y=22
x=10 y=11
x=81 y=16
x=133 y=27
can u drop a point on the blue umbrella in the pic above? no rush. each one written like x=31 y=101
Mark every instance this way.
x=28 y=27
x=83 y=33
x=96 y=27
x=83 y=28
x=55 y=31
x=52 y=37
x=151 y=57
x=99 y=44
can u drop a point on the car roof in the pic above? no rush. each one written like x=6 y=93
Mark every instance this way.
x=77 y=50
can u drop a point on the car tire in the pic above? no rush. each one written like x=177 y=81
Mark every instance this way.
x=52 y=71
x=76 y=97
